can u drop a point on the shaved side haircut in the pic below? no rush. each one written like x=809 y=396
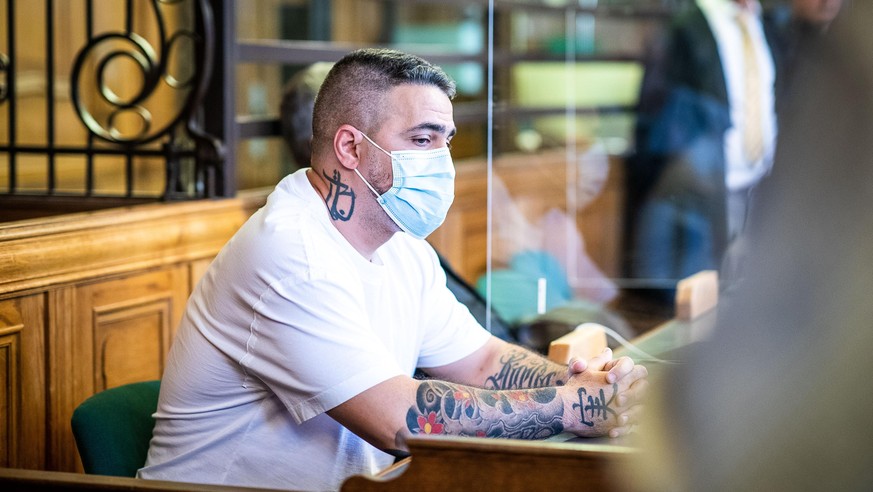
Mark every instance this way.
x=355 y=87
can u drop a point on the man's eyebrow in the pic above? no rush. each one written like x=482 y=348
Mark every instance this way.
x=435 y=127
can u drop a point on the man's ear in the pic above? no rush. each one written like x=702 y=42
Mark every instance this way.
x=345 y=145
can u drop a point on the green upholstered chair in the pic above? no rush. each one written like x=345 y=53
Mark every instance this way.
x=113 y=428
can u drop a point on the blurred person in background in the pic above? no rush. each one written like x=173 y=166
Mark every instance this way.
x=704 y=138
x=295 y=113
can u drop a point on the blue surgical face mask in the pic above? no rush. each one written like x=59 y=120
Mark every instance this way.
x=422 y=191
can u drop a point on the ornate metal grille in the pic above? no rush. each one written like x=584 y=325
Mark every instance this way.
x=119 y=115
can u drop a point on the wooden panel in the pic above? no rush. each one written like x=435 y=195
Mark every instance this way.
x=130 y=340
x=13 y=480
x=130 y=321
x=64 y=379
x=196 y=270
x=440 y=464
x=91 y=300
x=22 y=398
x=41 y=253
x=9 y=397
x=9 y=356
x=105 y=334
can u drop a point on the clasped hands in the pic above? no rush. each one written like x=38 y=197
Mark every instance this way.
x=605 y=395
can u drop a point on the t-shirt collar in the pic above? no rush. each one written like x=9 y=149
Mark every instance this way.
x=727 y=7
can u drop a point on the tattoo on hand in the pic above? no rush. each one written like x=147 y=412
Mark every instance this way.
x=443 y=408
x=338 y=190
x=591 y=407
x=519 y=371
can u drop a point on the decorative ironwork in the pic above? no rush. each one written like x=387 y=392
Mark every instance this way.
x=138 y=95
x=155 y=70
x=4 y=71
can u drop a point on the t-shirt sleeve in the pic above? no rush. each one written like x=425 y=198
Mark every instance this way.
x=450 y=330
x=315 y=354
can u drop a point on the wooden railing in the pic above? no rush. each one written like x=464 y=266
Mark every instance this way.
x=436 y=464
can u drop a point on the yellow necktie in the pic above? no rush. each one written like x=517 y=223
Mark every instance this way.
x=753 y=140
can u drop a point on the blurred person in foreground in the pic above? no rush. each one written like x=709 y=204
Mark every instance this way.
x=780 y=398
x=816 y=14
x=799 y=25
x=292 y=366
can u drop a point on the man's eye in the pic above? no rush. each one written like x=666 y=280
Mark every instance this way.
x=421 y=141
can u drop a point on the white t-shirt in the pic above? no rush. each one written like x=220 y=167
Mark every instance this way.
x=288 y=322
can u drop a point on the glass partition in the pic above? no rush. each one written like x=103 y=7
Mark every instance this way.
x=601 y=150
x=590 y=149
x=566 y=88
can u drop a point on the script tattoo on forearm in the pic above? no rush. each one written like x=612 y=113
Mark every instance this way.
x=339 y=190
x=591 y=407
x=445 y=408
x=519 y=370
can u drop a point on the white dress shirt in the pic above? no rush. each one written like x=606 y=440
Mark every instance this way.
x=722 y=16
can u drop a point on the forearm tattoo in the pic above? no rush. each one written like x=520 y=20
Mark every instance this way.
x=340 y=198
x=521 y=369
x=447 y=408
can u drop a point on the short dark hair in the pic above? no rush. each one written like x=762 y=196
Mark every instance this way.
x=353 y=90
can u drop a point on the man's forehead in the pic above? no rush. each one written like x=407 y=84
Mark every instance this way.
x=421 y=107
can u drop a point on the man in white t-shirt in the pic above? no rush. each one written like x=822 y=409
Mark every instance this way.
x=292 y=365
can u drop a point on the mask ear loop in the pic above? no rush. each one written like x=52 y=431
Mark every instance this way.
x=359 y=173
x=374 y=143
x=366 y=183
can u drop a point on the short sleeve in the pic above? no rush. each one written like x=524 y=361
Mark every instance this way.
x=450 y=330
x=312 y=345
